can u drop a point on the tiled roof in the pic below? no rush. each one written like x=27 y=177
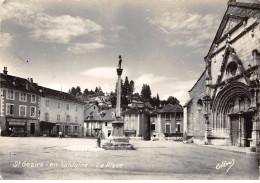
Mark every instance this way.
x=171 y=108
x=17 y=83
x=21 y=84
x=57 y=94
x=107 y=115
x=132 y=111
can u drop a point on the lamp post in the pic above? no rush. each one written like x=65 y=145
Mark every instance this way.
x=206 y=101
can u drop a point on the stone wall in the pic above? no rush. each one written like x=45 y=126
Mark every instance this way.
x=195 y=109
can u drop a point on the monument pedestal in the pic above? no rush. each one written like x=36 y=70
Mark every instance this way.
x=118 y=141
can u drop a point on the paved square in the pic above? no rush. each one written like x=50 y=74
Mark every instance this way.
x=75 y=158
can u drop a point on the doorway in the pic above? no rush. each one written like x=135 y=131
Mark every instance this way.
x=234 y=130
x=248 y=129
x=66 y=130
x=32 y=129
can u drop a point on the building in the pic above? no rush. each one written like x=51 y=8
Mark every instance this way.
x=100 y=122
x=89 y=108
x=167 y=121
x=232 y=84
x=60 y=111
x=19 y=106
x=193 y=115
x=136 y=123
x=136 y=103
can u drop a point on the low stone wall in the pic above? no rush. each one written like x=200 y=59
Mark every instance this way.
x=135 y=138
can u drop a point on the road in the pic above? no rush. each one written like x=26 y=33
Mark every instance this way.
x=44 y=158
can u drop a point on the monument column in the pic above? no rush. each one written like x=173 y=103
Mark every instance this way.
x=118 y=90
x=118 y=141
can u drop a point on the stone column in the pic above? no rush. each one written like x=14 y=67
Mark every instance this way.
x=255 y=133
x=118 y=101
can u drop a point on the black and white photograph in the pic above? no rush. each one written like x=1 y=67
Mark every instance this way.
x=130 y=90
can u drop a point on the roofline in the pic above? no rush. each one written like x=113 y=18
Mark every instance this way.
x=63 y=99
x=240 y=4
x=33 y=92
x=198 y=79
x=58 y=97
x=98 y=120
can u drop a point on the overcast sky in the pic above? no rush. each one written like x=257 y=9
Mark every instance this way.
x=77 y=43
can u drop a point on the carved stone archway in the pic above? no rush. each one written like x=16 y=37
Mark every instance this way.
x=231 y=114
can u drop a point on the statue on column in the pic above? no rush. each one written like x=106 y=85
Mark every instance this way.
x=120 y=62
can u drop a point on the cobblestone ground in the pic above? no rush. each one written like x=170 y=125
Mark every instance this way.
x=74 y=158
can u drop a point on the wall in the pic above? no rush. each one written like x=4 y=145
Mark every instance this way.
x=16 y=103
x=195 y=112
x=53 y=111
x=132 y=124
x=172 y=121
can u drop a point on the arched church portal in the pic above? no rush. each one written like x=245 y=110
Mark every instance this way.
x=231 y=118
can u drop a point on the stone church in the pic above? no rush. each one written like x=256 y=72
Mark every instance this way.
x=224 y=105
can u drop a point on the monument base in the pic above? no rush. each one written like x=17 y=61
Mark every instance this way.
x=117 y=140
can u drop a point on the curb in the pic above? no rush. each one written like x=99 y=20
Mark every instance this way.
x=236 y=151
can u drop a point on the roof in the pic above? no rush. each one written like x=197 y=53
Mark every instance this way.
x=57 y=94
x=171 y=108
x=21 y=84
x=132 y=111
x=17 y=83
x=188 y=102
x=239 y=11
x=198 y=79
x=108 y=115
x=154 y=112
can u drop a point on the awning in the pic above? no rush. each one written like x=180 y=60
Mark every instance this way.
x=46 y=124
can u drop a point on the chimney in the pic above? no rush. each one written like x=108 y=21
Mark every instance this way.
x=5 y=71
x=27 y=85
x=31 y=80
x=231 y=2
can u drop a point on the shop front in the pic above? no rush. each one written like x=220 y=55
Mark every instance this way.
x=20 y=127
x=68 y=129
x=48 y=128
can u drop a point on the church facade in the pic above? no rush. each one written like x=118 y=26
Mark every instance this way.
x=231 y=101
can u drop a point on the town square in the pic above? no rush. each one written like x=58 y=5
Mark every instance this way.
x=160 y=90
x=79 y=159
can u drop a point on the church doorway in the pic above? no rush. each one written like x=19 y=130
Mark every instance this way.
x=234 y=130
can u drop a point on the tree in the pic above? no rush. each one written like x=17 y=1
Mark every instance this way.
x=112 y=99
x=91 y=92
x=163 y=103
x=96 y=90
x=158 y=100
x=126 y=87
x=146 y=92
x=86 y=92
x=131 y=87
x=73 y=91
x=78 y=90
x=153 y=101
x=172 y=100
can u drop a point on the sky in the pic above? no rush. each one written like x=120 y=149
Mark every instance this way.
x=77 y=43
